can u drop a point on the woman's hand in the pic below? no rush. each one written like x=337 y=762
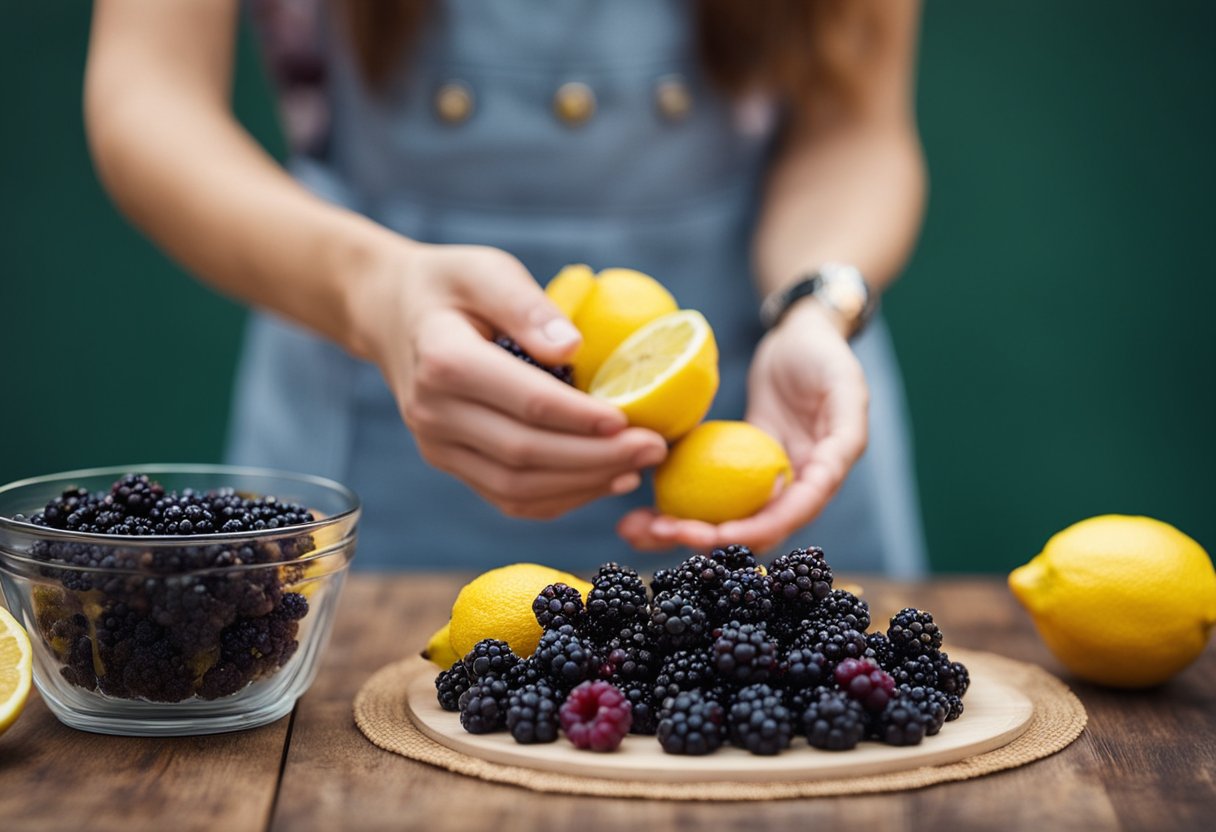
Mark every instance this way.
x=806 y=388
x=529 y=444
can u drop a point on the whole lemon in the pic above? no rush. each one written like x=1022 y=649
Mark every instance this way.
x=1121 y=601
x=719 y=471
x=439 y=647
x=606 y=310
x=498 y=604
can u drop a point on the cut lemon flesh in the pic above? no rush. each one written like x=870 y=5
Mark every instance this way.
x=16 y=669
x=663 y=376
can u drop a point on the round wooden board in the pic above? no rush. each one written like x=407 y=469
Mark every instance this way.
x=996 y=714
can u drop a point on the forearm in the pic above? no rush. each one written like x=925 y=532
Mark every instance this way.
x=186 y=173
x=855 y=195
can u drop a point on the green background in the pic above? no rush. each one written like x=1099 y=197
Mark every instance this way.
x=1055 y=326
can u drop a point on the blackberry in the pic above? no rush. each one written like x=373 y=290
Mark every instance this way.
x=934 y=706
x=596 y=716
x=734 y=557
x=722 y=693
x=690 y=723
x=802 y=667
x=526 y=672
x=901 y=722
x=562 y=372
x=136 y=494
x=801 y=578
x=745 y=596
x=564 y=658
x=743 y=654
x=878 y=648
x=799 y=699
x=920 y=671
x=843 y=607
x=642 y=703
x=532 y=714
x=865 y=681
x=617 y=598
x=834 y=722
x=676 y=621
x=681 y=671
x=954 y=706
x=483 y=707
x=489 y=656
x=631 y=654
x=952 y=677
x=450 y=685
x=664 y=580
x=702 y=577
x=835 y=642
x=558 y=605
x=759 y=721
x=913 y=633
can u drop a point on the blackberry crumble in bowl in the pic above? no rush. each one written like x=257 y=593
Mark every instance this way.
x=175 y=599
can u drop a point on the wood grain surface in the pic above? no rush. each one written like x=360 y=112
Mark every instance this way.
x=1147 y=761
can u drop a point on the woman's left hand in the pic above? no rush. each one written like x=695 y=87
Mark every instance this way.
x=807 y=389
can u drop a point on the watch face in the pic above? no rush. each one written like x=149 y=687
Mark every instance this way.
x=844 y=298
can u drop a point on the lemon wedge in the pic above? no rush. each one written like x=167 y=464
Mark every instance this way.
x=663 y=376
x=16 y=669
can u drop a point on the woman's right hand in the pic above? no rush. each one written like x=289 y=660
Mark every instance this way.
x=527 y=443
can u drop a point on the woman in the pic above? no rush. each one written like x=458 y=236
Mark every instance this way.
x=461 y=151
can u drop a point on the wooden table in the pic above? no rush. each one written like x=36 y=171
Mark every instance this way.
x=1146 y=761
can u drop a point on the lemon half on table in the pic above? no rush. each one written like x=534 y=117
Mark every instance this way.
x=663 y=376
x=16 y=669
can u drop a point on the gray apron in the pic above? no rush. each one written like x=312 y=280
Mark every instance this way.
x=516 y=160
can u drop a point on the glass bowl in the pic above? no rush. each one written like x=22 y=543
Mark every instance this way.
x=183 y=634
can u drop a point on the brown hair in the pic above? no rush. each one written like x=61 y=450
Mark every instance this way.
x=793 y=48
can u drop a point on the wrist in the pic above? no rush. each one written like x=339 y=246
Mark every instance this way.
x=811 y=313
x=373 y=266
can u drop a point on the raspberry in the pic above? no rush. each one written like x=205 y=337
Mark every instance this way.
x=690 y=723
x=865 y=681
x=913 y=633
x=834 y=722
x=564 y=658
x=759 y=721
x=801 y=578
x=532 y=714
x=676 y=621
x=743 y=654
x=483 y=707
x=558 y=605
x=596 y=716
x=489 y=656
x=450 y=685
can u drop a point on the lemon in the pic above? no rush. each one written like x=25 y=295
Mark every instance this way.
x=16 y=669
x=498 y=604
x=1121 y=601
x=720 y=471
x=664 y=376
x=439 y=647
x=606 y=309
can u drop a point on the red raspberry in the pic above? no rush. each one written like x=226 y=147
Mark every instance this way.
x=596 y=716
x=865 y=681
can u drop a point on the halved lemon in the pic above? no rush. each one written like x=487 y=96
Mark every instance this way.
x=663 y=376
x=16 y=669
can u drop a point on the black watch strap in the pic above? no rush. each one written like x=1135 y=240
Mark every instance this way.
x=840 y=287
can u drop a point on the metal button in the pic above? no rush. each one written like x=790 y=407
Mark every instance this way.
x=673 y=98
x=454 y=102
x=574 y=103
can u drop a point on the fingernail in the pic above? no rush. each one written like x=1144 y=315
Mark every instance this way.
x=626 y=483
x=560 y=332
x=648 y=456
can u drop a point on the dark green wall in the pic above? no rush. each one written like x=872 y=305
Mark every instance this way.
x=1055 y=325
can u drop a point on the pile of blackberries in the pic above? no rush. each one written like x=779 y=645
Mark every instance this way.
x=719 y=650
x=168 y=622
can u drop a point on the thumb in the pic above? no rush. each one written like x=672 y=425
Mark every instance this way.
x=496 y=287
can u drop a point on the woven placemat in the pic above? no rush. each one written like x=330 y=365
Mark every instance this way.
x=383 y=717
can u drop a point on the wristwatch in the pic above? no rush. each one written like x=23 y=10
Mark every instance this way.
x=838 y=286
